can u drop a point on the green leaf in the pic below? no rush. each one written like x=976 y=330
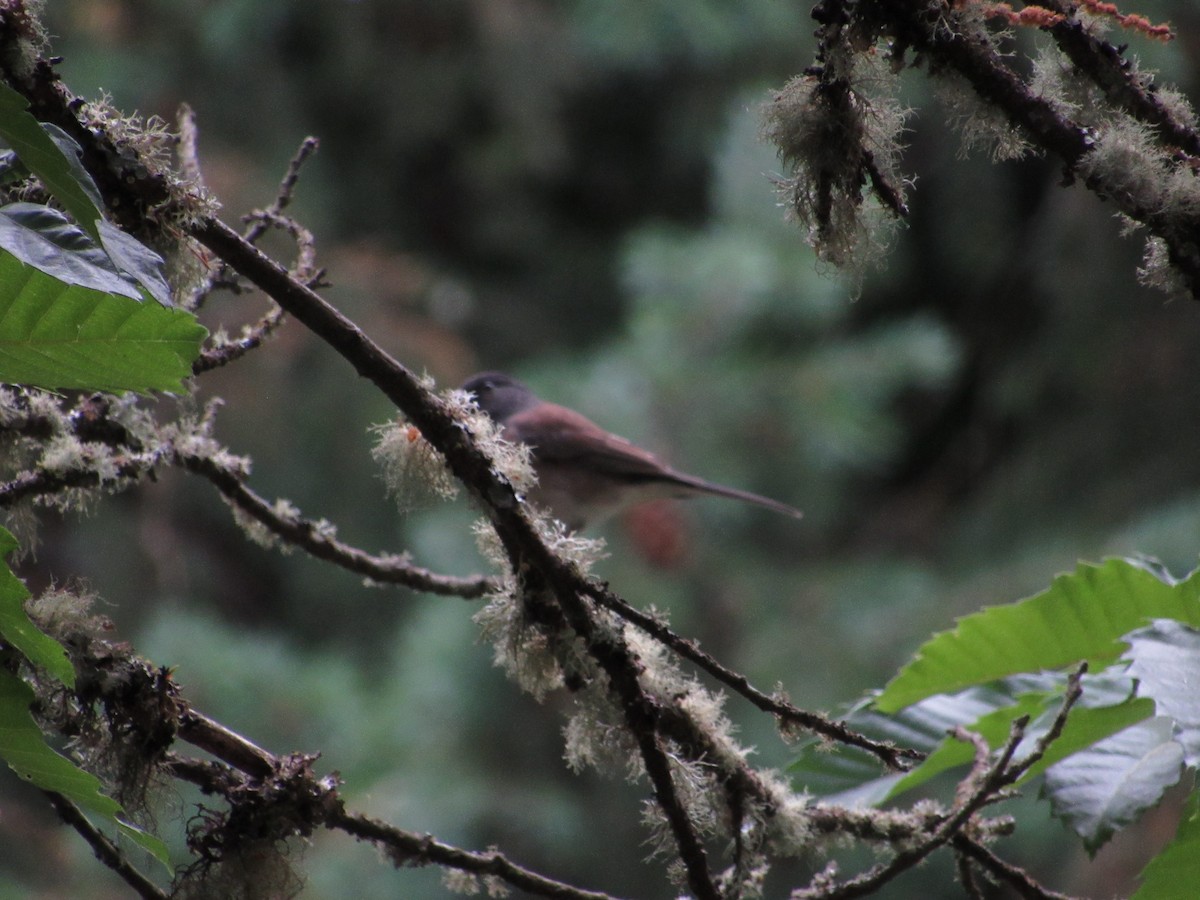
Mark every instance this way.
x=17 y=629
x=59 y=335
x=24 y=748
x=60 y=172
x=73 y=154
x=851 y=778
x=1174 y=873
x=993 y=727
x=1084 y=727
x=1100 y=790
x=841 y=776
x=1082 y=616
x=43 y=238
x=136 y=260
x=22 y=744
x=1165 y=659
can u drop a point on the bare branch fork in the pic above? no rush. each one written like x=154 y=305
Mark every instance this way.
x=91 y=422
x=990 y=776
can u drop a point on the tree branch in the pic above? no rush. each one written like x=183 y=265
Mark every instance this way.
x=924 y=27
x=406 y=848
x=90 y=421
x=253 y=778
x=106 y=851
x=982 y=782
x=553 y=588
x=895 y=758
x=315 y=540
x=1018 y=879
x=1107 y=68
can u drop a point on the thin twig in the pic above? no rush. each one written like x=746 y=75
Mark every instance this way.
x=247 y=767
x=1018 y=879
x=406 y=848
x=252 y=338
x=106 y=851
x=316 y=540
x=889 y=194
x=90 y=422
x=1071 y=695
x=255 y=229
x=966 y=876
x=895 y=758
x=986 y=776
x=186 y=150
x=209 y=735
x=287 y=187
x=305 y=269
x=925 y=29
x=644 y=716
x=29 y=484
x=1103 y=64
x=211 y=776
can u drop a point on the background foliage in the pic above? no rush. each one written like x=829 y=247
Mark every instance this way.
x=576 y=192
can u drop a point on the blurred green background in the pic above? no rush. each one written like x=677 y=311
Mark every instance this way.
x=576 y=191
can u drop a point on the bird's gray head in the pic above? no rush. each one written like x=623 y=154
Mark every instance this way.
x=499 y=395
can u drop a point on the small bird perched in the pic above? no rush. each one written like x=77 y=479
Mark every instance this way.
x=584 y=473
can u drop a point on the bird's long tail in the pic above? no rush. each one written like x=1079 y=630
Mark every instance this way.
x=692 y=485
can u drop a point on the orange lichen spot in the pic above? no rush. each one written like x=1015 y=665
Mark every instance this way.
x=1034 y=16
x=1029 y=17
x=1129 y=21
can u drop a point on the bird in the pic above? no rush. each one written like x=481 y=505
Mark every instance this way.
x=584 y=473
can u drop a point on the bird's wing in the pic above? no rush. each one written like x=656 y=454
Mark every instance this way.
x=566 y=438
x=561 y=435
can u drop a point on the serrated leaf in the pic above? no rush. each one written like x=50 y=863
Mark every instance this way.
x=1175 y=872
x=56 y=335
x=17 y=629
x=59 y=172
x=57 y=162
x=1165 y=659
x=1103 y=789
x=24 y=748
x=1082 y=616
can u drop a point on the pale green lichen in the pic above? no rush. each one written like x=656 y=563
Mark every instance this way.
x=511 y=461
x=1156 y=270
x=824 y=136
x=63 y=613
x=980 y=125
x=414 y=473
